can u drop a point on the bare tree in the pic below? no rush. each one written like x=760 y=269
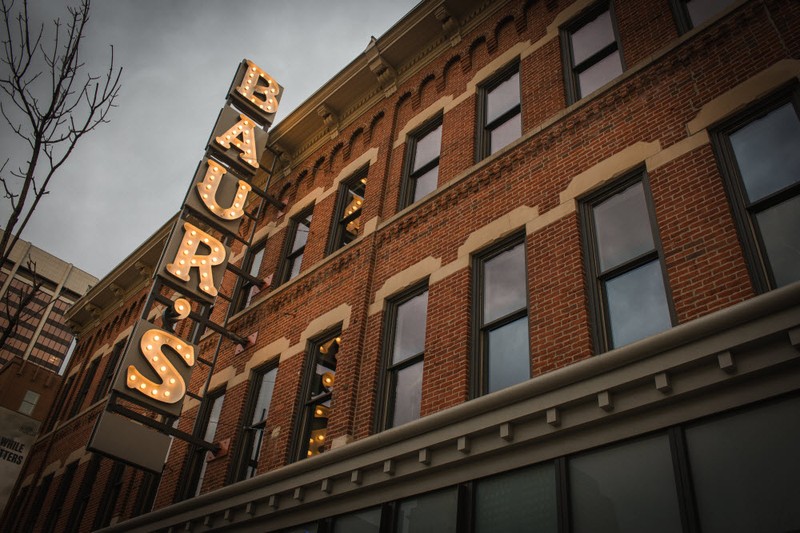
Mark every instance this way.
x=49 y=101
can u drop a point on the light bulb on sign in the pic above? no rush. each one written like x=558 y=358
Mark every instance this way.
x=211 y=184
x=252 y=86
x=189 y=247
x=239 y=134
x=171 y=387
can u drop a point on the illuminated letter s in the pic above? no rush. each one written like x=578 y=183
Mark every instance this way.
x=172 y=387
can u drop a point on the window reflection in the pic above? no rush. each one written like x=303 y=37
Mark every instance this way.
x=764 y=174
x=503 y=320
x=500 y=114
x=630 y=293
x=321 y=380
x=626 y=488
x=406 y=361
x=595 y=57
x=703 y=10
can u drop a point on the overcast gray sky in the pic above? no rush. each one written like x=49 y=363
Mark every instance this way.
x=179 y=56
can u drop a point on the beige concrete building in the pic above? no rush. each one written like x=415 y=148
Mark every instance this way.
x=40 y=334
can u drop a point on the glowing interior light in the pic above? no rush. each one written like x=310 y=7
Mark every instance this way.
x=211 y=183
x=259 y=87
x=182 y=307
x=189 y=247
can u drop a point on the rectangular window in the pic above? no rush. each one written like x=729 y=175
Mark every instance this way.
x=57 y=505
x=759 y=157
x=256 y=413
x=745 y=469
x=108 y=374
x=366 y=521
x=499 y=112
x=592 y=57
x=252 y=265
x=55 y=413
x=81 y=501
x=502 y=354
x=84 y=390
x=692 y=13
x=347 y=217
x=624 y=487
x=435 y=511
x=520 y=500
x=404 y=351
x=628 y=288
x=105 y=511
x=212 y=417
x=316 y=397
x=295 y=246
x=29 y=402
x=421 y=175
x=35 y=510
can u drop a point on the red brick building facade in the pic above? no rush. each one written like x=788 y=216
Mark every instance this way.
x=537 y=265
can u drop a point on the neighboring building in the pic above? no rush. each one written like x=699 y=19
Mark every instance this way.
x=39 y=333
x=27 y=392
x=537 y=269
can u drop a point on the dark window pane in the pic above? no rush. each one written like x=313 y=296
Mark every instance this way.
x=591 y=37
x=522 y=500
x=506 y=133
x=426 y=183
x=599 y=74
x=409 y=337
x=295 y=266
x=428 y=148
x=408 y=394
x=767 y=152
x=627 y=488
x=502 y=98
x=745 y=468
x=264 y=396
x=622 y=227
x=504 y=283
x=702 y=10
x=780 y=230
x=508 y=363
x=255 y=264
x=305 y=528
x=368 y=521
x=637 y=304
x=301 y=234
x=428 y=513
x=208 y=436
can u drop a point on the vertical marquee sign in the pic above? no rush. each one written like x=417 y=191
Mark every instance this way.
x=153 y=375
